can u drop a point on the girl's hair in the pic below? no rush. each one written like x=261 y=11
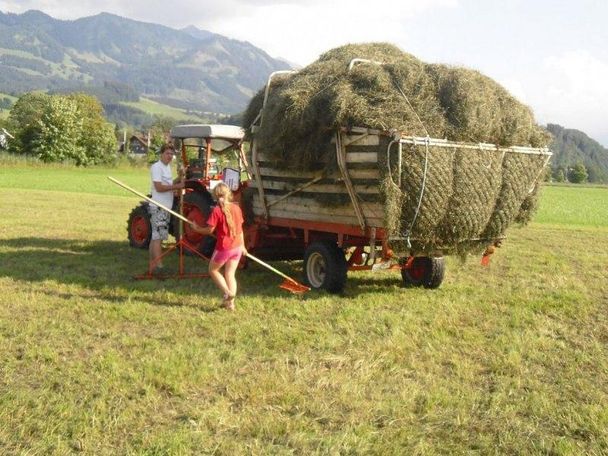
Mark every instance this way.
x=223 y=194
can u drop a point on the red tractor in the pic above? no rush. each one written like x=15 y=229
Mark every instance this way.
x=211 y=145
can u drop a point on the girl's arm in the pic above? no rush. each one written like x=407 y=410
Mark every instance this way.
x=203 y=230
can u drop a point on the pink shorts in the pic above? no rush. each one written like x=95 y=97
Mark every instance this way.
x=221 y=256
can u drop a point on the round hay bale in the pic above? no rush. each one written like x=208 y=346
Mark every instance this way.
x=475 y=188
x=519 y=174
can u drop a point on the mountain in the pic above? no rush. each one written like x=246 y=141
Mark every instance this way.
x=571 y=146
x=189 y=68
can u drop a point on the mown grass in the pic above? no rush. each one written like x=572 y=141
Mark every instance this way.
x=509 y=359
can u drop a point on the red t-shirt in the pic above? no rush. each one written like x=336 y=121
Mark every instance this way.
x=217 y=219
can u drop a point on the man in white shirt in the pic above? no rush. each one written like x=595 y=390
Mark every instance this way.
x=162 y=191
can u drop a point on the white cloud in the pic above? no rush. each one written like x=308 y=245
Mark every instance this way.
x=300 y=32
x=515 y=88
x=573 y=92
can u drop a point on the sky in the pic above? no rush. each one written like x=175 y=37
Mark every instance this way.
x=551 y=54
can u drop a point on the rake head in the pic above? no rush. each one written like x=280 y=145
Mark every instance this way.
x=294 y=287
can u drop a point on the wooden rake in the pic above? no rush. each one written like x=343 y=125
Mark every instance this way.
x=288 y=284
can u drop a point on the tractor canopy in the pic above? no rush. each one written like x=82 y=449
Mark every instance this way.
x=228 y=132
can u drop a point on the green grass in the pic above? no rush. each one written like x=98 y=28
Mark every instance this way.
x=573 y=205
x=10 y=97
x=5 y=112
x=510 y=359
x=90 y=180
x=155 y=108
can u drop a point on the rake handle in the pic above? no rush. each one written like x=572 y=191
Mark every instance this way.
x=266 y=265
x=181 y=217
x=150 y=200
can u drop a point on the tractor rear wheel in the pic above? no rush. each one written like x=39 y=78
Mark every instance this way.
x=138 y=228
x=424 y=272
x=325 y=266
x=197 y=207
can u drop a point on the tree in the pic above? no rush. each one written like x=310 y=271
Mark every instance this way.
x=573 y=146
x=58 y=127
x=159 y=131
x=24 y=116
x=97 y=135
x=578 y=174
x=596 y=174
x=59 y=130
x=560 y=175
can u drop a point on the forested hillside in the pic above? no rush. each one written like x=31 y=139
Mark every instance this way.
x=571 y=147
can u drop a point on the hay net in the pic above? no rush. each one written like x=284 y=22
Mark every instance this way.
x=467 y=195
x=465 y=198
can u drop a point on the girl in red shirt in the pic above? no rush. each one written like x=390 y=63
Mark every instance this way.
x=226 y=220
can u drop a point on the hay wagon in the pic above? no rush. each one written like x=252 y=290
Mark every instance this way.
x=352 y=198
x=341 y=218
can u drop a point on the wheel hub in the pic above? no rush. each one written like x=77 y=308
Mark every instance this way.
x=315 y=270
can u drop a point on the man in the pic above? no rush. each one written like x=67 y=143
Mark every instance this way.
x=162 y=191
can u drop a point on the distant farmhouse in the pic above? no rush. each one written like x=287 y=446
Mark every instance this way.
x=138 y=144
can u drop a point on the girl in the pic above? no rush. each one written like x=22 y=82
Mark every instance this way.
x=226 y=220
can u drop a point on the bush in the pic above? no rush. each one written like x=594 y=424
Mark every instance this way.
x=578 y=174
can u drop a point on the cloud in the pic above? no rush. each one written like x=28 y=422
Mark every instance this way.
x=575 y=93
x=65 y=9
x=301 y=31
x=298 y=30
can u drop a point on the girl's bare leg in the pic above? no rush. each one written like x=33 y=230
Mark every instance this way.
x=230 y=275
x=217 y=277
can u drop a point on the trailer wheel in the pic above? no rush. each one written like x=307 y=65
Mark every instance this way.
x=424 y=272
x=325 y=266
x=139 y=229
x=197 y=207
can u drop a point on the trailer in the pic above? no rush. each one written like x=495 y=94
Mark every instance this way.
x=351 y=233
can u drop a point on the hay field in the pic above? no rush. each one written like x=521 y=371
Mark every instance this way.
x=510 y=359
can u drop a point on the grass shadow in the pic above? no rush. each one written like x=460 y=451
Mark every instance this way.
x=107 y=269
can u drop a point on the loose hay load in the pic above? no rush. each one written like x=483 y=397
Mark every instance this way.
x=436 y=195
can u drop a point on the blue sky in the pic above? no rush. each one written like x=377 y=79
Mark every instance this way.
x=552 y=55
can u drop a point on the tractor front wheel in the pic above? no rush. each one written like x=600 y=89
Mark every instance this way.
x=325 y=266
x=139 y=228
x=424 y=272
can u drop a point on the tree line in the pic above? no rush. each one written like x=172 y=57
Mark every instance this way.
x=577 y=174
x=76 y=127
